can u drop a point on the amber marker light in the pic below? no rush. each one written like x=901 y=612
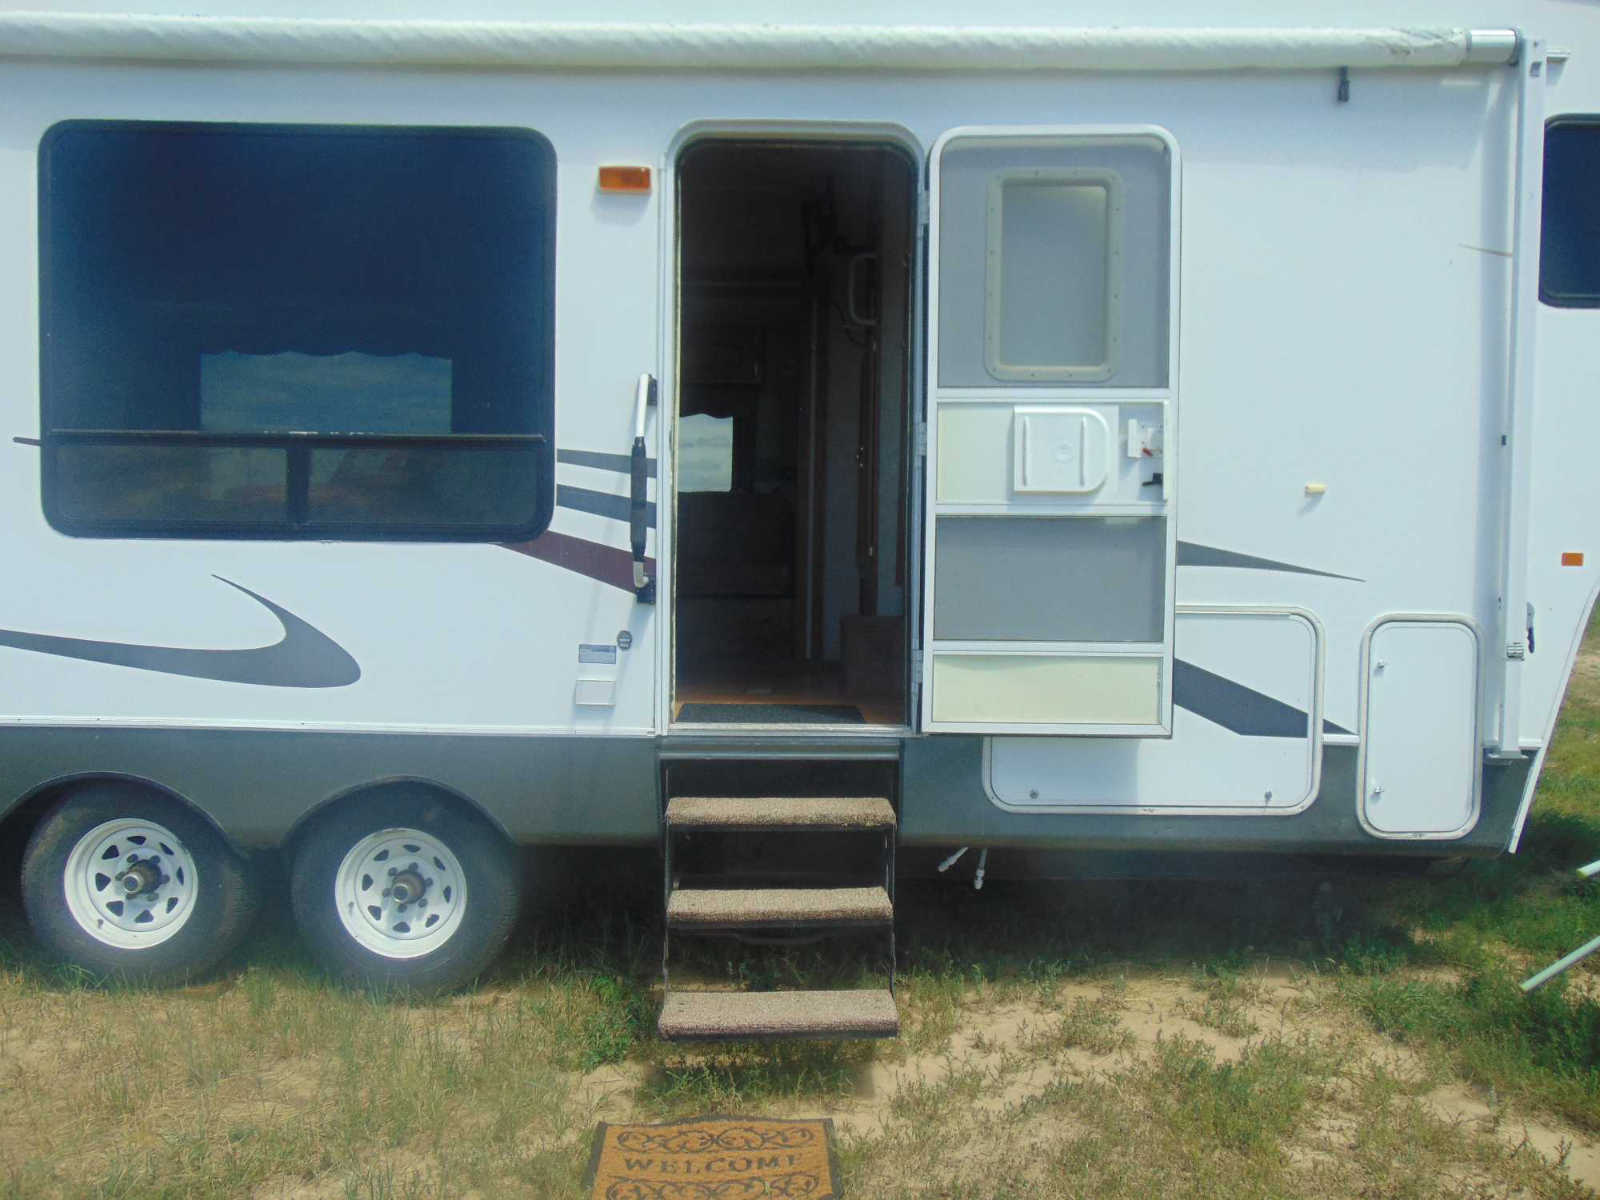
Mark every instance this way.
x=1572 y=558
x=629 y=180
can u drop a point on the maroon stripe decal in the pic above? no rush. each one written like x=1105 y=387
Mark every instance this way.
x=608 y=564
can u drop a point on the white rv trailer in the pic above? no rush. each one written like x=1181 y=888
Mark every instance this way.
x=1079 y=430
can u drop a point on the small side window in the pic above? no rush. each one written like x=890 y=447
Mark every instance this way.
x=1054 y=256
x=1569 y=258
x=296 y=331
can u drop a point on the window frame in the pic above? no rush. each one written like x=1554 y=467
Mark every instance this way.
x=1555 y=299
x=300 y=446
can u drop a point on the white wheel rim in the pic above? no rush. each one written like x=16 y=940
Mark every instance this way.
x=109 y=862
x=410 y=925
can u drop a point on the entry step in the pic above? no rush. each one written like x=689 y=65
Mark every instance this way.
x=737 y=1016
x=730 y=813
x=743 y=908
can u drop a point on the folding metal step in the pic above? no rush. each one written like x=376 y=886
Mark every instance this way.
x=758 y=908
x=735 y=864
x=742 y=813
x=739 y=1016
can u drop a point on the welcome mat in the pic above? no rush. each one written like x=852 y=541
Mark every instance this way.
x=714 y=1158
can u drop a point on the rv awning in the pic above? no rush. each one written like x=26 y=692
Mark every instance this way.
x=511 y=45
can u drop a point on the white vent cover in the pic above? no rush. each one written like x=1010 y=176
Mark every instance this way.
x=1059 y=450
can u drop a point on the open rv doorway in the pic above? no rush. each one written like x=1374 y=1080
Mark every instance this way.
x=795 y=262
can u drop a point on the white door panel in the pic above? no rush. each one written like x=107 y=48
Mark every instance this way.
x=1052 y=403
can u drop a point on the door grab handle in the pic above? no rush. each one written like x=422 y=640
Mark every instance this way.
x=854 y=275
x=644 y=397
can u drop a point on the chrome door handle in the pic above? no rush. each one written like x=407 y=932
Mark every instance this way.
x=644 y=397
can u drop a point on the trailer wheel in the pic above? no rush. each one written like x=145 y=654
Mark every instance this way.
x=133 y=885
x=405 y=893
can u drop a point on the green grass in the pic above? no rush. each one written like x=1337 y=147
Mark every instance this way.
x=1245 y=1106
x=1490 y=925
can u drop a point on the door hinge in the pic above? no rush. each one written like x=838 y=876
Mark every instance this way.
x=916 y=667
x=922 y=208
x=922 y=439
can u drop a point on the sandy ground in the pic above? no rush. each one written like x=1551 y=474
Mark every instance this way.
x=1002 y=1042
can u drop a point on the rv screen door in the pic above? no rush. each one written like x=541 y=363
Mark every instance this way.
x=1051 y=429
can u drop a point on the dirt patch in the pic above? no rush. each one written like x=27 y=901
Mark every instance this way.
x=1469 y=1107
x=395 y=1172
x=1003 y=1057
x=610 y=1090
x=986 y=1051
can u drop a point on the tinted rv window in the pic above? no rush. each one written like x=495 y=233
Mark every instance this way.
x=1569 y=261
x=296 y=331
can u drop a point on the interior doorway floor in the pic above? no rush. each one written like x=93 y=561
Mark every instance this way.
x=784 y=693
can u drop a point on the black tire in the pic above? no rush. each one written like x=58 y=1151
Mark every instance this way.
x=488 y=867
x=220 y=902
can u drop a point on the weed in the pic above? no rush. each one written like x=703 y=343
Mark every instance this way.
x=1224 y=1004
x=1241 y=1105
x=622 y=1013
x=1086 y=1025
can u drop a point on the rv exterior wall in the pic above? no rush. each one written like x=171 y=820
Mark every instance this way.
x=1345 y=291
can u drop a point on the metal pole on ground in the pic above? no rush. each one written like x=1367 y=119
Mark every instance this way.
x=1577 y=956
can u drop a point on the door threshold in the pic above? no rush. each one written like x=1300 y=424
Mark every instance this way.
x=809 y=742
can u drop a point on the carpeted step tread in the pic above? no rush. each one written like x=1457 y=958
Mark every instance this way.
x=736 y=1016
x=734 y=907
x=780 y=812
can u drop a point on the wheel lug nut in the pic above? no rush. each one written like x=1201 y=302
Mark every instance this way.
x=387 y=892
x=427 y=883
x=393 y=871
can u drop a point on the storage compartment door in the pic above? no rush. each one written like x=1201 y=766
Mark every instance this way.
x=1419 y=729
x=1052 y=426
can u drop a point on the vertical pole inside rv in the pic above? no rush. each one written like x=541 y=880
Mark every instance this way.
x=1517 y=428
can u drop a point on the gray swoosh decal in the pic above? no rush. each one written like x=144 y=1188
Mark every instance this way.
x=1237 y=708
x=601 y=504
x=620 y=463
x=304 y=657
x=1192 y=554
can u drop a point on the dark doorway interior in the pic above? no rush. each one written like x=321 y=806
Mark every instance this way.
x=793 y=434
